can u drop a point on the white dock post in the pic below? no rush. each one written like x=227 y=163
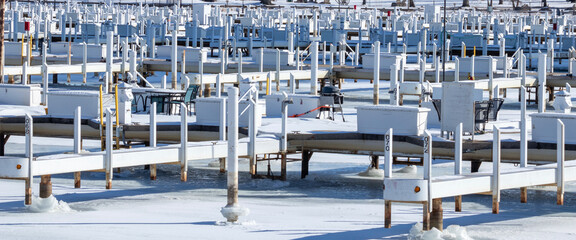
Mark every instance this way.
x=109 y=59
x=376 y=78
x=523 y=129
x=252 y=131
x=222 y=61
x=297 y=55
x=314 y=70
x=458 y=162
x=232 y=211
x=261 y=67
x=222 y=130
x=388 y=157
x=394 y=100
x=153 y=134
x=472 y=67
x=456 y=70
x=491 y=77
x=133 y=72
x=496 y=171
x=201 y=73
x=84 y=61
x=124 y=58
x=560 y=162
x=292 y=84
x=523 y=70
x=428 y=177
x=422 y=70
x=277 y=69
x=174 y=57
x=357 y=54
x=108 y=155
x=77 y=142
x=183 y=142
x=541 y=82
x=45 y=84
x=402 y=65
x=437 y=69
x=183 y=70
x=505 y=72
x=324 y=53
x=434 y=49
x=219 y=85
x=163 y=83
x=551 y=52
x=24 y=80
x=29 y=132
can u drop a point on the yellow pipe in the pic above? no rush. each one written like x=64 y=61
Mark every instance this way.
x=464 y=49
x=101 y=108
x=474 y=51
x=116 y=103
x=30 y=47
x=267 y=84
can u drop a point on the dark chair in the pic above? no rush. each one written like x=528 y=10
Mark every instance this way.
x=438 y=107
x=495 y=105
x=159 y=100
x=481 y=112
x=189 y=97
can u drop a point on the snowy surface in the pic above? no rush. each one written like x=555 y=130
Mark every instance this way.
x=340 y=199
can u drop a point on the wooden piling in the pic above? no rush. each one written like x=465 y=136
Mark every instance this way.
x=436 y=217
x=374 y=161
x=425 y=217
x=77 y=179
x=27 y=192
x=523 y=194
x=283 y=167
x=153 y=172
x=45 y=186
x=306 y=155
x=458 y=203
x=222 y=165
x=387 y=214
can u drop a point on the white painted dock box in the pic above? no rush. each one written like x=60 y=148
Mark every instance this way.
x=59 y=47
x=500 y=62
x=544 y=127
x=386 y=60
x=539 y=28
x=17 y=94
x=64 y=103
x=95 y=52
x=14 y=49
x=404 y=120
x=286 y=57
x=470 y=40
x=208 y=112
x=201 y=11
x=302 y=103
x=481 y=65
x=192 y=54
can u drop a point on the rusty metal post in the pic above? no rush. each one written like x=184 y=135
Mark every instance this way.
x=375 y=161
x=45 y=186
x=425 y=217
x=436 y=218
x=28 y=192
x=283 y=167
x=523 y=194
x=387 y=214
x=458 y=203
